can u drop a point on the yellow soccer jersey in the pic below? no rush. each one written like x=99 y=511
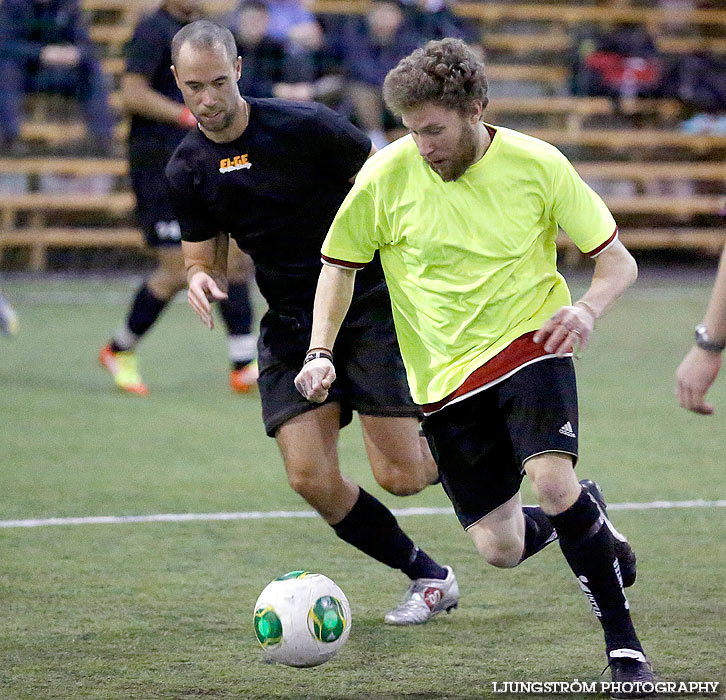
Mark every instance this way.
x=470 y=264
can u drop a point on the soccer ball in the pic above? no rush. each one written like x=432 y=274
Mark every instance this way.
x=302 y=619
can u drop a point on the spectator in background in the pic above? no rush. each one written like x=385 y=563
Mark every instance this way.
x=159 y=121
x=298 y=67
x=45 y=47
x=371 y=46
x=263 y=58
x=435 y=19
x=622 y=63
x=288 y=17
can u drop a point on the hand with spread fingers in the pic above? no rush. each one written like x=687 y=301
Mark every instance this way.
x=203 y=290
x=569 y=326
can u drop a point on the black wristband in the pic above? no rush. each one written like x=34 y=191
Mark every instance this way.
x=315 y=354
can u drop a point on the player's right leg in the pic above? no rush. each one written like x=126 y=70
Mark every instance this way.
x=308 y=443
x=307 y=435
x=162 y=233
x=151 y=298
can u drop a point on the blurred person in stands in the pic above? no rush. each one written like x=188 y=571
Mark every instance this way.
x=435 y=19
x=622 y=64
x=371 y=46
x=45 y=47
x=298 y=66
x=288 y=17
x=159 y=121
x=263 y=56
x=700 y=367
x=8 y=317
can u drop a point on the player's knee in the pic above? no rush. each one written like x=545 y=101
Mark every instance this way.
x=304 y=482
x=400 y=481
x=504 y=554
x=553 y=495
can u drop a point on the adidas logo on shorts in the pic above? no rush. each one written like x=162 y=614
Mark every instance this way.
x=567 y=430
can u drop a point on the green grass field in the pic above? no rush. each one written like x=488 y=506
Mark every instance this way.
x=164 y=610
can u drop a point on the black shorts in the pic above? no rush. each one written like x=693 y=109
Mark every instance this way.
x=481 y=443
x=153 y=208
x=370 y=375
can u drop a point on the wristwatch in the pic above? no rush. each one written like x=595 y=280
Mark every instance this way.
x=703 y=340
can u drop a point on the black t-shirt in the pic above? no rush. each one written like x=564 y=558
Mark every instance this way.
x=151 y=142
x=275 y=190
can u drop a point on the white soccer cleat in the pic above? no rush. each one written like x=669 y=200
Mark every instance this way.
x=425 y=598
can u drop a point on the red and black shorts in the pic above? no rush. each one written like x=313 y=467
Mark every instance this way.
x=482 y=442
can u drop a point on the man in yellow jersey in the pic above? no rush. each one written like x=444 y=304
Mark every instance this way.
x=464 y=216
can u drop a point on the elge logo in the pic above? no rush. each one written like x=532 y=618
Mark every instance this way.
x=227 y=165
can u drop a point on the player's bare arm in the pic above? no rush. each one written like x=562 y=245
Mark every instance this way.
x=332 y=300
x=140 y=98
x=700 y=367
x=206 y=266
x=615 y=270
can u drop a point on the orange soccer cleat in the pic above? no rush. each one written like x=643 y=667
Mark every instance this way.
x=244 y=380
x=124 y=368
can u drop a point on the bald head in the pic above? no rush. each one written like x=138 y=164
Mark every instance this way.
x=204 y=35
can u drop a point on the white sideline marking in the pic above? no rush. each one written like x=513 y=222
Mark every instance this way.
x=283 y=514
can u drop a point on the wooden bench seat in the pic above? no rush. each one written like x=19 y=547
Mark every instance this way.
x=578 y=14
x=41 y=205
x=649 y=171
x=684 y=207
x=557 y=41
x=79 y=167
x=709 y=241
x=59 y=133
x=40 y=240
x=628 y=139
x=575 y=109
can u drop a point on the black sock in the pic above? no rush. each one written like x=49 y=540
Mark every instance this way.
x=236 y=309
x=538 y=531
x=589 y=548
x=373 y=529
x=145 y=309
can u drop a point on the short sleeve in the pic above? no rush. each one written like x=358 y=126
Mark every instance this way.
x=353 y=237
x=147 y=50
x=579 y=210
x=342 y=148
x=188 y=206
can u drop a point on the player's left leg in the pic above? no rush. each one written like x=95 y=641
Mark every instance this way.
x=588 y=543
x=402 y=464
x=236 y=311
x=399 y=455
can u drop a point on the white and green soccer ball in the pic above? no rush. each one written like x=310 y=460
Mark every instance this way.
x=302 y=619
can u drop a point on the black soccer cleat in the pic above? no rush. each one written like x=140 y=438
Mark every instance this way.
x=623 y=550
x=632 y=675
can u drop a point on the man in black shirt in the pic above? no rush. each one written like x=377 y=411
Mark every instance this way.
x=159 y=121
x=271 y=174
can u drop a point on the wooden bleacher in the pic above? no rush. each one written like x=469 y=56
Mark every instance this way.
x=637 y=143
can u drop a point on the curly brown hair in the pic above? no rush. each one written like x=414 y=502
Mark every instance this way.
x=446 y=72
